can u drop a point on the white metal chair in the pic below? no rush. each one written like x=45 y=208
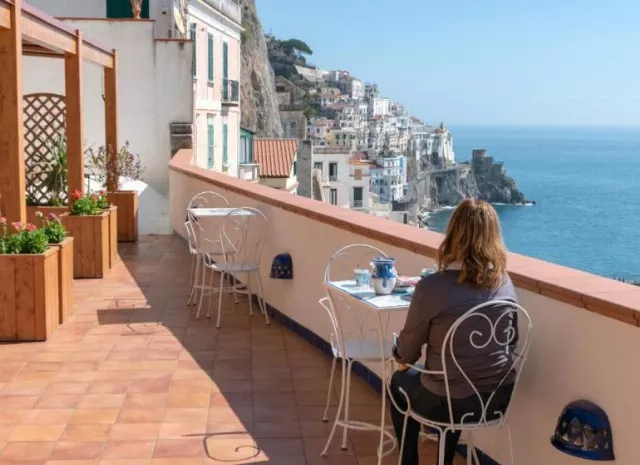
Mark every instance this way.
x=349 y=344
x=198 y=245
x=511 y=324
x=242 y=236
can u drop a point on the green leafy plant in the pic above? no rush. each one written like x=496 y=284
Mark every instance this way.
x=103 y=201
x=57 y=170
x=52 y=227
x=84 y=204
x=125 y=164
x=27 y=239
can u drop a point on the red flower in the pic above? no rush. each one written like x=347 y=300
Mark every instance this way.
x=101 y=193
x=76 y=194
x=31 y=227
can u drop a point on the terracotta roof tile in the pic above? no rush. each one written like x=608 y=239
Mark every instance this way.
x=275 y=156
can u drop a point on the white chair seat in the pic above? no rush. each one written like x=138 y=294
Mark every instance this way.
x=364 y=349
x=235 y=267
x=459 y=426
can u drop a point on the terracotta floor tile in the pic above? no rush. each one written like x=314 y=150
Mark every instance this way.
x=135 y=431
x=179 y=448
x=128 y=450
x=108 y=387
x=86 y=433
x=95 y=416
x=229 y=428
x=186 y=398
x=8 y=416
x=177 y=461
x=36 y=433
x=141 y=416
x=71 y=462
x=33 y=388
x=17 y=402
x=181 y=430
x=67 y=388
x=23 y=451
x=48 y=416
x=77 y=450
x=122 y=462
x=150 y=386
x=231 y=414
x=102 y=401
x=268 y=430
x=59 y=401
x=5 y=432
x=187 y=415
x=231 y=399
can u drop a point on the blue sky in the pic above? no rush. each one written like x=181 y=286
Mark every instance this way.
x=480 y=62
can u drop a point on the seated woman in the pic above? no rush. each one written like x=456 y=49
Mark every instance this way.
x=471 y=270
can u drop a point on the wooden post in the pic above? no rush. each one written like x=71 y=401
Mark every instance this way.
x=111 y=122
x=75 y=133
x=12 y=180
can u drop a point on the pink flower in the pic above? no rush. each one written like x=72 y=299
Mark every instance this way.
x=52 y=216
x=31 y=227
x=39 y=214
x=3 y=220
x=101 y=193
x=17 y=226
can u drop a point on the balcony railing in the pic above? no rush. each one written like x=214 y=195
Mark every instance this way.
x=230 y=92
x=355 y=204
x=229 y=8
x=569 y=309
x=248 y=171
x=333 y=177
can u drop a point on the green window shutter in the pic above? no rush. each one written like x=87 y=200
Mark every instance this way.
x=210 y=146
x=210 y=57
x=225 y=61
x=192 y=36
x=225 y=144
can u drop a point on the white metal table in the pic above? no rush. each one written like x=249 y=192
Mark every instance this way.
x=383 y=306
x=220 y=212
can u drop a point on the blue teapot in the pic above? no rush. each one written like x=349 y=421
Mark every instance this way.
x=383 y=275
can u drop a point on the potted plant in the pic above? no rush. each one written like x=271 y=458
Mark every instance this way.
x=29 y=305
x=124 y=164
x=58 y=238
x=56 y=176
x=104 y=204
x=89 y=226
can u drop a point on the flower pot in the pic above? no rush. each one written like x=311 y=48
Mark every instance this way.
x=91 y=244
x=65 y=271
x=29 y=305
x=127 y=203
x=113 y=235
x=31 y=212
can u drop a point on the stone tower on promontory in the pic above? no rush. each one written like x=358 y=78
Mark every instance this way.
x=259 y=102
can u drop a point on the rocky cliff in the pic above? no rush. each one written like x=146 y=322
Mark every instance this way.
x=436 y=187
x=259 y=103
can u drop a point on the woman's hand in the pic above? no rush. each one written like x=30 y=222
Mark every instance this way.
x=401 y=367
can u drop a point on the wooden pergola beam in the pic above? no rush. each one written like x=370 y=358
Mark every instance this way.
x=12 y=180
x=111 y=121
x=75 y=133
x=53 y=34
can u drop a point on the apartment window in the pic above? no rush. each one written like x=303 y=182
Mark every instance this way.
x=333 y=196
x=225 y=144
x=357 y=197
x=295 y=167
x=333 y=171
x=210 y=142
x=225 y=71
x=210 y=57
x=193 y=36
x=318 y=166
x=246 y=147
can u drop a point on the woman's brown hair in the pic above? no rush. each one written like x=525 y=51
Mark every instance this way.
x=473 y=238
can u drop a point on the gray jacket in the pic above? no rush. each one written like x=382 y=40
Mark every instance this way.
x=438 y=301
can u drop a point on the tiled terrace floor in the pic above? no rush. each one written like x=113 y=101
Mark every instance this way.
x=134 y=379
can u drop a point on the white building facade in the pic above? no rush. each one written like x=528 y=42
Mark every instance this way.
x=389 y=178
x=214 y=27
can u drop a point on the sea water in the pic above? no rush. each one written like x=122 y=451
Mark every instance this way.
x=586 y=185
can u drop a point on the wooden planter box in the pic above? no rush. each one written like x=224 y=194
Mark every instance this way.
x=29 y=306
x=91 y=244
x=127 y=203
x=113 y=235
x=31 y=212
x=65 y=271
